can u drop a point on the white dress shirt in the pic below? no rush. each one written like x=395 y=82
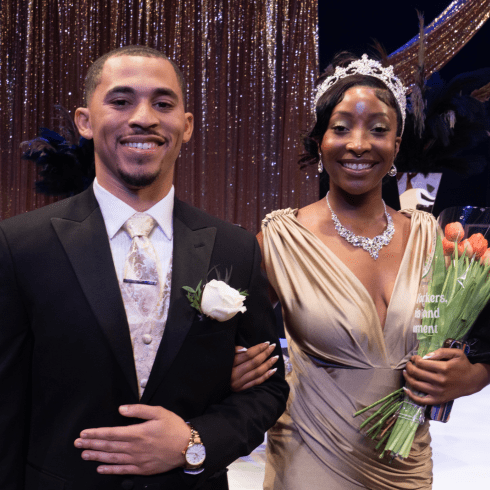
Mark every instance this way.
x=116 y=212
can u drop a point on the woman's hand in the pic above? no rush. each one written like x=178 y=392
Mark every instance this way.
x=252 y=366
x=444 y=375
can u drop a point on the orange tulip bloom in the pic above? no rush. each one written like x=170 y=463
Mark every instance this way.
x=485 y=259
x=466 y=248
x=454 y=232
x=479 y=244
x=447 y=246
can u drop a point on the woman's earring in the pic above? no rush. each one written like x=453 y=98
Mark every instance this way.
x=320 y=164
x=392 y=171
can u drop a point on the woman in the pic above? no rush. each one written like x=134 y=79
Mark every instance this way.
x=346 y=270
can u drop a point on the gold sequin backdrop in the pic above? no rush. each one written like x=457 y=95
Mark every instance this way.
x=250 y=68
x=445 y=36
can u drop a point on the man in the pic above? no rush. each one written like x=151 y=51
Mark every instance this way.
x=110 y=379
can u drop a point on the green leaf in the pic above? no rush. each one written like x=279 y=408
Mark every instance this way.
x=438 y=268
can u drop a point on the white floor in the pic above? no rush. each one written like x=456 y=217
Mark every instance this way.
x=461 y=450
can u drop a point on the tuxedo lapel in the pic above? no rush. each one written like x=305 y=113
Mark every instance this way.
x=84 y=237
x=193 y=246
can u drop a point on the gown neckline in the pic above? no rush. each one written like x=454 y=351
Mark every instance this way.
x=346 y=269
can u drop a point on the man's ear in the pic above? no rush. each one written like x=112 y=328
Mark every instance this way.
x=189 y=127
x=82 y=120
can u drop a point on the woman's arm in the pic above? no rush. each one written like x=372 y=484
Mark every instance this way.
x=444 y=375
x=252 y=366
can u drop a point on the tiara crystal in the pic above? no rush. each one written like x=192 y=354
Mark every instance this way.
x=372 y=68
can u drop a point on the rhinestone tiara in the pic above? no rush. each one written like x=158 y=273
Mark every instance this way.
x=372 y=68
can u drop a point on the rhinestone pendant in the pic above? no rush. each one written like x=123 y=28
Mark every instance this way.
x=370 y=245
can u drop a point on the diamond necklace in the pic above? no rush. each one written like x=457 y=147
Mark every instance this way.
x=371 y=245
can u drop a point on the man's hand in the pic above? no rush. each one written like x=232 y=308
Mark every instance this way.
x=154 y=446
x=444 y=375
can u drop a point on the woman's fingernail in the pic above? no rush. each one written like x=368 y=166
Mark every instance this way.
x=428 y=356
x=243 y=349
x=405 y=388
x=268 y=343
x=275 y=358
x=271 y=371
x=273 y=346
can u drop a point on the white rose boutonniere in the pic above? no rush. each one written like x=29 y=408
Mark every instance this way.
x=221 y=302
x=217 y=300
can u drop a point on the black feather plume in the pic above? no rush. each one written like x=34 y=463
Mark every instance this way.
x=66 y=160
x=456 y=127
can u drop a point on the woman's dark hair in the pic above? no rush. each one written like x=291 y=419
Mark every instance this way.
x=334 y=96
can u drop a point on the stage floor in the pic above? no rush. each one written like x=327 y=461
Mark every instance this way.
x=461 y=450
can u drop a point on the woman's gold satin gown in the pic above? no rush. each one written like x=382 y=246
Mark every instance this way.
x=343 y=360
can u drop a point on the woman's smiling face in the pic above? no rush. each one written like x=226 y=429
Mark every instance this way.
x=360 y=143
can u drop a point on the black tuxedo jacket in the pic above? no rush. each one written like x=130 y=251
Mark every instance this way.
x=66 y=361
x=479 y=337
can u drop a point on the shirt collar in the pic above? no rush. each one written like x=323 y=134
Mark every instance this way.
x=116 y=212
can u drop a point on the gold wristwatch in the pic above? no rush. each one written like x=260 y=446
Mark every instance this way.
x=195 y=452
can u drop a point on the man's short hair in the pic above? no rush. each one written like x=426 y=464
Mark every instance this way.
x=94 y=73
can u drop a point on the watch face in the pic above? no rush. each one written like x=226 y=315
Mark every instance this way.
x=196 y=454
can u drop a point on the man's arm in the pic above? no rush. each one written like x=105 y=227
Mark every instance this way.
x=149 y=448
x=15 y=361
x=229 y=429
x=236 y=426
x=479 y=338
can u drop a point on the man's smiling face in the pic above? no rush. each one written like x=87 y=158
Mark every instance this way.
x=137 y=120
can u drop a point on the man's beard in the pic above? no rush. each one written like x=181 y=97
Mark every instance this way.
x=138 y=181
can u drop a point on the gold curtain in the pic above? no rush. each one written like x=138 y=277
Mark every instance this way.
x=444 y=38
x=250 y=69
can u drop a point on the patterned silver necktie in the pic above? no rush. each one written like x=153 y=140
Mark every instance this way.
x=141 y=277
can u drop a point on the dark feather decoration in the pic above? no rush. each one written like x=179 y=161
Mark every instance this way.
x=456 y=127
x=380 y=53
x=66 y=160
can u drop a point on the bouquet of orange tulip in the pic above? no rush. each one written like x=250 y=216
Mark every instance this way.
x=453 y=293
